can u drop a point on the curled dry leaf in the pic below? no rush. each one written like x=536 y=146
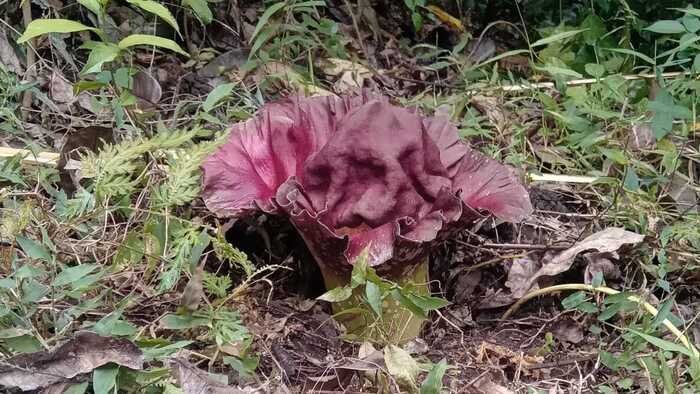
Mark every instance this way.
x=82 y=354
x=8 y=57
x=227 y=61
x=600 y=263
x=523 y=278
x=146 y=89
x=486 y=386
x=91 y=138
x=61 y=90
x=350 y=75
x=568 y=330
x=641 y=137
x=193 y=380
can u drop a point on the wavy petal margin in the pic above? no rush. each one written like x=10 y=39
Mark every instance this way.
x=357 y=172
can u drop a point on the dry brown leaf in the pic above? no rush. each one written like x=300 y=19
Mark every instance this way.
x=494 y=110
x=193 y=380
x=523 y=278
x=8 y=57
x=61 y=90
x=641 y=137
x=146 y=88
x=486 y=386
x=567 y=330
x=82 y=354
x=682 y=191
x=350 y=75
x=600 y=263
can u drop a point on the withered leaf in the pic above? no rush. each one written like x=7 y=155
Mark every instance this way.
x=522 y=279
x=91 y=138
x=82 y=354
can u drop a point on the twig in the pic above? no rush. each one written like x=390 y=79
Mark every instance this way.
x=523 y=246
x=31 y=60
x=587 y=81
x=605 y=290
x=561 y=178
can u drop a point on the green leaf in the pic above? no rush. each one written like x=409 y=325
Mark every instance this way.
x=417 y=20
x=271 y=10
x=433 y=382
x=23 y=344
x=245 y=365
x=101 y=53
x=338 y=294
x=664 y=344
x=555 y=70
x=631 y=181
x=39 y=27
x=401 y=365
x=78 y=388
x=13 y=332
x=359 y=271
x=556 y=37
x=595 y=70
x=666 y=27
x=374 y=297
x=104 y=379
x=180 y=322
x=151 y=40
x=72 y=274
x=428 y=303
x=691 y=23
x=688 y=11
x=573 y=300
x=93 y=5
x=696 y=64
x=632 y=53
x=33 y=249
x=264 y=36
x=665 y=110
x=200 y=9
x=157 y=9
x=217 y=94
x=408 y=304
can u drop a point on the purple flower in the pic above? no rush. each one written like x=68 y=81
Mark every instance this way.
x=357 y=172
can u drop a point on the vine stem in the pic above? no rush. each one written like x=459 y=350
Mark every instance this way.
x=606 y=290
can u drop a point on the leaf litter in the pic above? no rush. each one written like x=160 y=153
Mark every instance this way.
x=85 y=352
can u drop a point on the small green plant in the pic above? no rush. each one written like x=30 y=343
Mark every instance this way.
x=414 y=6
x=292 y=29
x=373 y=307
x=640 y=332
x=109 y=50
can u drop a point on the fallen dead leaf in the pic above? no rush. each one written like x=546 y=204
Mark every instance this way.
x=82 y=354
x=567 y=330
x=488 y=351
x=350 y=75
x=682 y=191
x=8 y=57
x=480 y=50
x=61 y=90
x=486 y=386
x=193 y=380
x=146 y=89
x=497 y=114
x=601 y=263
x=91 y=139
x=227 y=61
x=641 y=137
x=526 y=278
